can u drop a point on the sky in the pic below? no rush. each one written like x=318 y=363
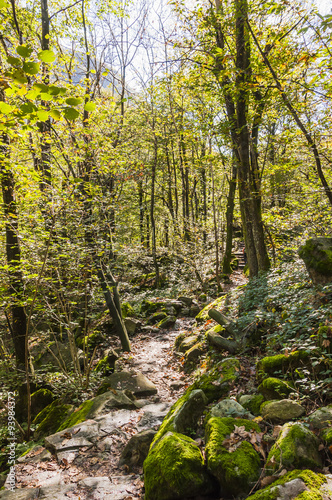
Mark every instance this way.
x=324 y=6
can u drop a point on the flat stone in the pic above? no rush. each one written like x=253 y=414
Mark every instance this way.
x=82 y=433
x=108 y=423
x=153 y=416
x=137 y=383
x=282 y=411
x=37 y=454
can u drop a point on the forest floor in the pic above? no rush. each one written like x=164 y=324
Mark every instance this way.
x=152 y=355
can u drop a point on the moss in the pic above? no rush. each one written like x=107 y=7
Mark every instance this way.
x=49 y=420
x=326 y=435
x=218 y=381
x=238 y=470
x=317 y=254
x=313 y=482
x=281 y=363
x=178 y=340
x=253 y=404
x=203 y=315
x=77 y=416
x=274 y=388
x=148 y=307
x=174 y=469
x=167 y=322
x=287 y=451
x=127 y=310
x=188 y=343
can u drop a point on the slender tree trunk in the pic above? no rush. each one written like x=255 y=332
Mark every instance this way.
x=226 y=263
x=153 y=224
x=13 y=254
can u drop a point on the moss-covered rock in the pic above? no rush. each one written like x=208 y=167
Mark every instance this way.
x=156 y=317
x=149 y=307
x=236 y=471
x=295 y=447
x=281 y=363
x=230 y=408
x=252 y=402
x=167 y=322
x=218 y=304
x=321 y=418
x=107 y=364
x=317 y=256
x=312 y=491
x=50 y=418
x=193 y=354
x=98 y=406
x=39 y=400
x=326 y=435
x=184 y=415
x=281 y=410
x=218 y=381
x=274 y=388
x=174 y=469
x=188 y=343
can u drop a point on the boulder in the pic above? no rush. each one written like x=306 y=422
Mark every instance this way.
x=184 y=415
x=50 y=418
x=252 y=402
x=281 y=410
x=167 y=322
x=137 y=449
x=230 y=408
x=156 y=317
x=98 y=406
x=132 y=325
x=281 y=363
x=321 y=418
x=218 y=381
x=39 y=400
x=185 y=300
x=296 y=447
x=137 y=383
x=187 y=343
x=291 y=485
x=230 y=457
x=203 y=315
x=174 y=469
x=193 y=354
x=153 y=416
x=107 y=364
x=55 y=355
x=274 y=388
x=317 y=256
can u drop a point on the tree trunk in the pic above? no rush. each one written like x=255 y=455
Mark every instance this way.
x=226 y=263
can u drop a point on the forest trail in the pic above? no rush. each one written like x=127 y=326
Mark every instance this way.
x=95 y=472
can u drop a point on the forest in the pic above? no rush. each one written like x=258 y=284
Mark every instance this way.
x=166 y=249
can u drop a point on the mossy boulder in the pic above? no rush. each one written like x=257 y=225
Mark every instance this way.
x=184 y=415
x=326 y=435
x=281 y=410
x=106 y=365
x=167 y=322
x=218 y=304
x=274 y=388
x=156 y=317
x=50 y=418
x=230 y=408
x=218 y=381
x=187 y=343
x=317 y=256
x=174 y=469
x=305 y=484
x=295 y=447
x=236 y=470
x=93 y=408
x=252 y=402
x=281 y=363
x=193 y=354
x=137 y=448
x=40 y=399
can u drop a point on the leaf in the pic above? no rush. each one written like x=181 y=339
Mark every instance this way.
x=74 y=101
x=54 y=90
x=47 y=56
x=28 y=108
x=6 y=108
x=46 y=97
x=90 y=106
x=24 y=51
x=42 y=115
x=14 y=61
x=71 y=113
x=55 y=114
x=3 y=4
x=31 y=68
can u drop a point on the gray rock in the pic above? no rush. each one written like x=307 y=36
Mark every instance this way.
x=36 y=455
x=230 y=408
x=321 y=418
x=132 y=325
x=296 y=447
x=186 y=416
x=290 y=490
x=153 y=416
x=156 y=317
x=194 y=353
x=113 y=420
x=188 y=343
x=282 y=411
x=186 y=300
x=137 y=448
x=137 y=383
